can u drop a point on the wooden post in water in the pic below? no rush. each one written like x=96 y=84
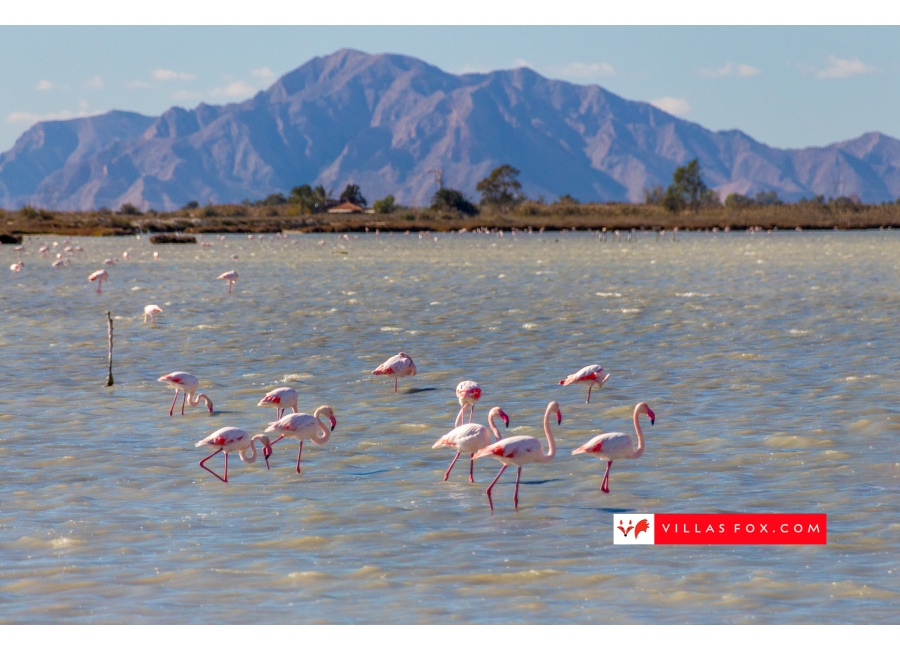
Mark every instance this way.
x=109 y=326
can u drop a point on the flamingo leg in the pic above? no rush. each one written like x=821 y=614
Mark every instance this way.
x=447 y=473
x=491 y=487
x=516 y=493
x=605 y=484
x=99 y=284
x=173 y=404
x=299 y=453
x=395 y=384
x=271 y=444
x=229 y=287
x=471 y=413
x=224 y=480
x=183 y=399
x=589 y=393
x=472 y=467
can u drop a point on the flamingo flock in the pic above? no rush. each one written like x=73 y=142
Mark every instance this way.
x=477 y=440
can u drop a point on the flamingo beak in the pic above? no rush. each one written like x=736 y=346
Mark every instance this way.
x=652 y=417
x=267 y=451
x=333 y=423
x=505 y=418
x=558 y=417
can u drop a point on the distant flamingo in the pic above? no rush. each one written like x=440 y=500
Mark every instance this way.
x=399 y=365
x=613 y=446
x=155 y=255
x=43 y=250
x=125 y=256
x=303 y=426
x=229 y=439
x=590 y=374
x=150 y=311
x=471 y=438
x=230 y=276
x=185 y=382
x=280 y=398
x=467 y=392
x=16 y=267
x=521 y=450
x=100 y=276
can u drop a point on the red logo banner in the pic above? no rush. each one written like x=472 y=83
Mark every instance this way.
x=775 y=528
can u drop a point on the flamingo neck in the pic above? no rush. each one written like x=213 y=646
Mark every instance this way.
x=459 y=418
x=493 y=426
x=640 y=435
x=193 y=400
x=248 y=455
x=326 y=432
x=551 y=443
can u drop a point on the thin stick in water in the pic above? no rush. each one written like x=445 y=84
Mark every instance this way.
x=109 y=325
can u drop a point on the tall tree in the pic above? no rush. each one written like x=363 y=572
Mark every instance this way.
x=688 y=189
x=501 y=188
x=352 y=194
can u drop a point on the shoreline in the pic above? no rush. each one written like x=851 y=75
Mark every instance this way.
x=240 y=219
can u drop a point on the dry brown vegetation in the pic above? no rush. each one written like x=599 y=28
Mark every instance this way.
x=621 y=216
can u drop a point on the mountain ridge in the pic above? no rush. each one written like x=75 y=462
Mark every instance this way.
x=382 y=121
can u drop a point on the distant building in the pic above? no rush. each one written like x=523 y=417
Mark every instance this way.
x=346 y=208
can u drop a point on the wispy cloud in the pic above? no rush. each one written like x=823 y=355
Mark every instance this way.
x=840 y=68
x=43 y=84
x=587 y=70
x=234 y=89
x=171 y=75
x=731 y=70
x=95 y=84
x=673 y=105
x=32 y=118
x=263 y=73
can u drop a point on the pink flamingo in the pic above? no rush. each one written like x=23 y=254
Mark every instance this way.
x=229 y=439
x=613 y=446
x=521 y=450
x=16 y=267
x=150 y=311
x=399 y=365
x=590 y=374
x=467 y=392
x=303 y=426
x=185 y=382
x=100 y=276
x=280 y=398
x=230 y=276
x=471 y=437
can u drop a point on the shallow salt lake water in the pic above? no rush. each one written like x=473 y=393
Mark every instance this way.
x=771 y=361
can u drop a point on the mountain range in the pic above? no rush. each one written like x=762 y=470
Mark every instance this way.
x=383 y=121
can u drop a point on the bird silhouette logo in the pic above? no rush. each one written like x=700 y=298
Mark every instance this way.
x=641 y=527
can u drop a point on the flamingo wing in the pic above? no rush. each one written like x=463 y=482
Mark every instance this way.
x=224 y=437
x=608 y=445
x=588 y=373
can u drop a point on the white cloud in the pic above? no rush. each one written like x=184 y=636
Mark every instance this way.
x=43 y=84
x=234 y=89
x=263 y=73
x=673 y=105
x=185 y=95
x=139 y=84
x=731 y=70
x=171 y=75
x=839 y=68
x=96 y=83
x=32 y=118
x=587 y=70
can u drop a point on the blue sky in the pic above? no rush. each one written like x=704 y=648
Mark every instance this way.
x=785 y=86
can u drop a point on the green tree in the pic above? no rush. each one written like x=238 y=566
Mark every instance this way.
x=501 y=188
x=352 y=194
x=128 y=208
x=385 y=205
x=450 y=199
x=654 y=195
x=687 y=188
x=305 y=197
x=768 y=198
x=735 y=200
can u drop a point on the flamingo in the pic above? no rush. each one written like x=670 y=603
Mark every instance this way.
x=467 y=392
x=16 y=267
x=591 y=374
x=399 y=365
x=150 y=311
x=100 y=276
x=231 y=276
x=471 y=437
x=125 y=256
x=185 y=382
x=155 y=255
x=281 y=398
x=230 y=439
x=521 y=450
x=43 y=250
x=60 y=263
x=303 y=426
x=613 y=446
